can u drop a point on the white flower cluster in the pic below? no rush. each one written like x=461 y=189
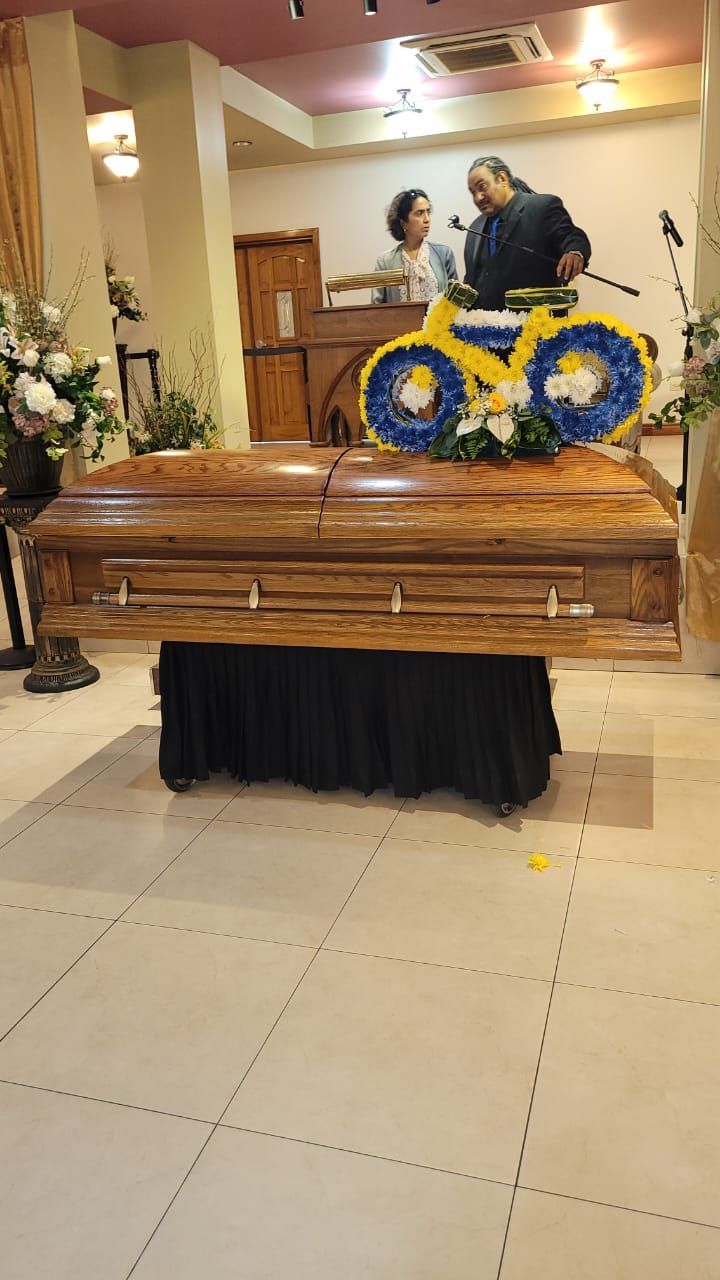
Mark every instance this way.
x=494 y=319
x=517 y=394
x=573 y=388
x=414 y=397
x=58 y=365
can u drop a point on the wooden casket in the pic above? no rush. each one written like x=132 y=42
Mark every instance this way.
x=282 y=545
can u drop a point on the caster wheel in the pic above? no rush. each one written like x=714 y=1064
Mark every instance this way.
x=504 y=810
x=178 y=784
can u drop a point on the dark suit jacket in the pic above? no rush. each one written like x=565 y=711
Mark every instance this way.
x=540 y=222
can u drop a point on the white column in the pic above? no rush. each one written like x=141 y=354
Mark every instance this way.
x=177 y=106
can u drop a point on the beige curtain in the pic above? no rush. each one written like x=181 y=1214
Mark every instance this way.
x=20 y=231
x=703 y=554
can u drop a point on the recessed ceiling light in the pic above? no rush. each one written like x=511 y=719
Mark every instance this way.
x=242 y=142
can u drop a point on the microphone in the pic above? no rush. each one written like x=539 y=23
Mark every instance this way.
x=457 y=225
x=669 y=228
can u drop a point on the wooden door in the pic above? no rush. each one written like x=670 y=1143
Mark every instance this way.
x=278 y=284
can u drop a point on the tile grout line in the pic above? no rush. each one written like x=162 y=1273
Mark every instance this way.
x=620 y=1208
x=550 y=1001
x=116 y=920
x=218 y=1123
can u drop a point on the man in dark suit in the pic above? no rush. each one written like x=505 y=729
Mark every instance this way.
x=511 y=211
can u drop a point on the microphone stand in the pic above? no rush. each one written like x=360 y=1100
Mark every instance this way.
x=687 y=331
x=457 y=225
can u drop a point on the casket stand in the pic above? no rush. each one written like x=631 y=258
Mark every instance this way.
x=338 y=617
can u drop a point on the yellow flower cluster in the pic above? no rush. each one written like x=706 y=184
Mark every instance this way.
x=571 y=362
x=422 y=377
x=381 y=445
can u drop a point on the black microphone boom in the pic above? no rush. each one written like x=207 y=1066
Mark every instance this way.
x=457 y=225
x=669 y=228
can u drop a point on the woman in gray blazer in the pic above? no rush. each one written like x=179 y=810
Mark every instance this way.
x=428 y=266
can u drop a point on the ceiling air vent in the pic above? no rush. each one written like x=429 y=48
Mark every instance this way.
x=480 y=50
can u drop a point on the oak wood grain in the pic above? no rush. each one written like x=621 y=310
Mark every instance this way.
x=561 y=637
x=56 y=576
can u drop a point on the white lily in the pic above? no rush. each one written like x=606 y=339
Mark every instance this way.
x=468 y=425
x=501 y=426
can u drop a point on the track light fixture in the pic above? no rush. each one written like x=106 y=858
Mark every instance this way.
x=296 y=8
x=370 y=7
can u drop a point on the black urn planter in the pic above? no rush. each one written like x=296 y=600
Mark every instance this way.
x=27 y=469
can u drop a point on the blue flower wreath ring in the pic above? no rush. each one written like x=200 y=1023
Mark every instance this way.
x=626 y=372
x=384 y=373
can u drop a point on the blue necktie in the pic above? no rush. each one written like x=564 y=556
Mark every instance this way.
x=492 y=242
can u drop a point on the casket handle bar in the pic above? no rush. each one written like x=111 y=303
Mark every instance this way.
x=107 y=597
x=554 y=609
x=396 y=598
x=254 y=594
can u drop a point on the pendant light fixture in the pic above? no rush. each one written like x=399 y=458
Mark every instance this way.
x=123 y=161
x=599 y=88
x=403 y=105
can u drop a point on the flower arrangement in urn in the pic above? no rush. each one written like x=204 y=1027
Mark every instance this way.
x=121 y=292
x=699 y=389
x=49 y=395
x=698 y=392
x=181 y=415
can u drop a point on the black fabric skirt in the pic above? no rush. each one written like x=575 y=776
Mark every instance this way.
x=366 y=719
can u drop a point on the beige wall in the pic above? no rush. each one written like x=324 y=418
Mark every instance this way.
x=614 y=180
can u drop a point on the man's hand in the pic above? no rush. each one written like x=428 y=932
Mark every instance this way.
x=570 y=266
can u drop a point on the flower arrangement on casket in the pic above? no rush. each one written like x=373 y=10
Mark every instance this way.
x=48 y=386
x=474 y=384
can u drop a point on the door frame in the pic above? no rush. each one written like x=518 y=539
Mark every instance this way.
x=248 y=240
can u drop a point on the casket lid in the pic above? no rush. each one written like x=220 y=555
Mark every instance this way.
x=580 y=496
x=277 y=494
x=261 y=471
x=272 y=492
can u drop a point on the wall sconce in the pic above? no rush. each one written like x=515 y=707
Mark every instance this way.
x=296 y=8
x=370 y=8
x=123 y=161
x=599 y=88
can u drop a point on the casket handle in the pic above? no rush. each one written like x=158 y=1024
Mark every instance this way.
x=254 y=594
x=396 y=598
x=554 y=609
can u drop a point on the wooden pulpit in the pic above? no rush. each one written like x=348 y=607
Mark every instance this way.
x=342 y=340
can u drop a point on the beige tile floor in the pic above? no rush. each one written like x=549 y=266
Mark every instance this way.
x=251 y=1032
x=255 y=1032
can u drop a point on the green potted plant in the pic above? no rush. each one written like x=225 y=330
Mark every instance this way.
x=181 y=416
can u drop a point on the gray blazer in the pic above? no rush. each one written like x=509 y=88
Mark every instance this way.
x=442 y=261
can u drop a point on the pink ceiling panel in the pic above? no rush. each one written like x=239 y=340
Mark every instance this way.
x=644 y=34
x=256 y=30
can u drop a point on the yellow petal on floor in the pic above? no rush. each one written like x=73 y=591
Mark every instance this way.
x=538 y=862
